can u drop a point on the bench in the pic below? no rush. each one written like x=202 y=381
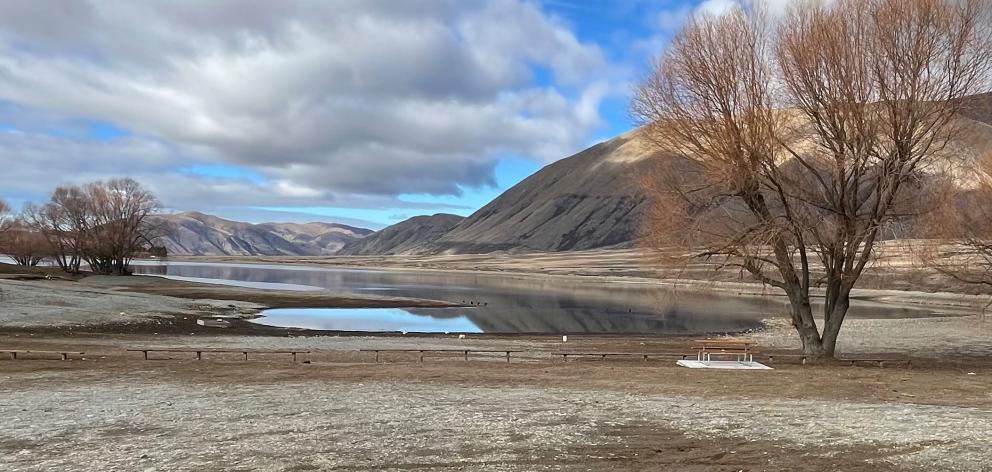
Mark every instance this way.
x=199 y=351
x=644 y=355
x=464 y=352
x=64 y=354
x=743 y=349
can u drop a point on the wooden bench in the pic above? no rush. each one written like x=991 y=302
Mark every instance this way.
x=743 y=349
x=604 y=355
x=200 y=350
x=464 y=352
x=64 y=354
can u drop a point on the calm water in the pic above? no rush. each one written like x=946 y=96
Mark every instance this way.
x=505 y=304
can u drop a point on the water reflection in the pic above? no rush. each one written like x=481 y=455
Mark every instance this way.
x=368 y=319
x=525 y=304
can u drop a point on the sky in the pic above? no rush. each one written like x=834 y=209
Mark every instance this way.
x=364 y=112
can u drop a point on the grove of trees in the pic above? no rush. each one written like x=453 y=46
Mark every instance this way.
x=104 y=224
x=796 y=141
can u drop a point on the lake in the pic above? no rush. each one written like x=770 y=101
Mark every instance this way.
x=503 y=303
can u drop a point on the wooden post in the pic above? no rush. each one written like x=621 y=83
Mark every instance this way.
x=421 y=356
x=199 y=356
x=294 y=357
x=13 y=355
x=246 y=355
x=65 y=356
x=507 y=356
x=146 y=354
x=466 y=355
x=377 y=356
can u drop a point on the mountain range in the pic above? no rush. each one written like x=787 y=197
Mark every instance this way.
x=194 y=233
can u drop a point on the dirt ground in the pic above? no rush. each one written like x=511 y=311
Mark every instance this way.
x=112 y=410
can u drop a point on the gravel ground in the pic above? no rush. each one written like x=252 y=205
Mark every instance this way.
x=952 y=337
x=44 y=304
x=142 y=423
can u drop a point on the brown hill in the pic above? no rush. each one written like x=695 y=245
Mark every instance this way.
x=194 y=233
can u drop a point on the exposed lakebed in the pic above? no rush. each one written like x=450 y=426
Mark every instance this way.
x=501 y=303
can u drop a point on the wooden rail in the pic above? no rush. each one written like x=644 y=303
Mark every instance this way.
x=199 y=351
x=771 y=358
x=465 y=352
x=604 y=355
x=64 y=354
x=851 y=360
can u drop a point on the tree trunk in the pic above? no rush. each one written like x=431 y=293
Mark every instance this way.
x=802 y=320
x=834 y=320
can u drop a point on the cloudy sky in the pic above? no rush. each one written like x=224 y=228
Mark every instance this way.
x=359 y=111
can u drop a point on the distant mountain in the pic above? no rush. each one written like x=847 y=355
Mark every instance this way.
x=589 y=200
x=194 y=233
x=412 y=235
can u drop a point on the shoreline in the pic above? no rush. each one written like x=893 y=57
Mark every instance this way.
x=939 y=299
x=150 y=304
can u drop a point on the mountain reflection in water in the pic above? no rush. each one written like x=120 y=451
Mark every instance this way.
x=518 y=304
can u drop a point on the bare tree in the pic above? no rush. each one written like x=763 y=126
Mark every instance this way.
x=102 y=223
x=119 y=225
x=6 y=220
x=24 y=244
x=5 y=216
x=65 y=222
x=959 y=235
x=796 y=142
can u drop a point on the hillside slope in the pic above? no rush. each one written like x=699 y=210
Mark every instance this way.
x=589 y=200
x=194 y=233
x=407 y=236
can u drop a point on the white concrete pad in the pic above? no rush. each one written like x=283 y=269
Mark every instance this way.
x=694 y=364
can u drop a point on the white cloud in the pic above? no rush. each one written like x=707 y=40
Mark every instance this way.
x=359 y=97
x=717 y=7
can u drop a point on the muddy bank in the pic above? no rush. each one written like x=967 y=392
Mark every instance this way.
x=264 y=297
x=154 y=304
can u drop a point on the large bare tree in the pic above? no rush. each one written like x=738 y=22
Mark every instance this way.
x=119 y=225
x=24 y=244
x=65 y=221
x=796 y=140
x=102 y=223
